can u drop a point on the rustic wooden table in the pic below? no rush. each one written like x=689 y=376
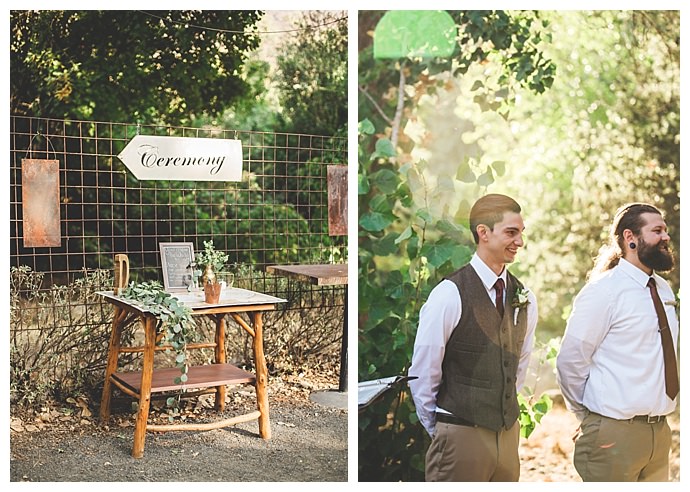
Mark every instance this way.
x=325 y=274
x=141 y=384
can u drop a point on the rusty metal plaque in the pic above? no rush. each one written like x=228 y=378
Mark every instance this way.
x=337 y=200
x=41 y=203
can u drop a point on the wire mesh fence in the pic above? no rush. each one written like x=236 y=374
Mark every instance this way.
x=277 y=214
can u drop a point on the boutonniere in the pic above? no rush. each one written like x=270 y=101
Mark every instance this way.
x=520 y=300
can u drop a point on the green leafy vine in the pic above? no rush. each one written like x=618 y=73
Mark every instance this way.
x=174 y=319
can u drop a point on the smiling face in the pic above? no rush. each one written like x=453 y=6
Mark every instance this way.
x=500 y=245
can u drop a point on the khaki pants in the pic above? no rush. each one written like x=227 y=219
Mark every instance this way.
x=461 y=453
x=610 y=450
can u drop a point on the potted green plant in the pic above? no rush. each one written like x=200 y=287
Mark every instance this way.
x=207 y=266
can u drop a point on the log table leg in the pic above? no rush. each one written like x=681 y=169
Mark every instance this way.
x=220 y=359
x=145 y=391
x=113 y=353
x=261 y=377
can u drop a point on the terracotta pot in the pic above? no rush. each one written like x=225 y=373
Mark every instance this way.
x=212 y=293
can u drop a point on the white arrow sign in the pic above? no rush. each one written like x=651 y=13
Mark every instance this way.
x=183 y=158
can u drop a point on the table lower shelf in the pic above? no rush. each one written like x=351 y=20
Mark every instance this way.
x=198 y=377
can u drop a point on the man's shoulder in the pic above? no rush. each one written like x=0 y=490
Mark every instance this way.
x=604 y=278
x=459 y=272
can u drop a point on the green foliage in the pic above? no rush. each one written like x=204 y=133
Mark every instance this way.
x=174 y=319
x=512 y=39
x=534 y=403
x=209 y=257
x=606 y=134
x=312 y=74
x=532 y=413
x=57 y=339
x=124 y=65
x=424 y=157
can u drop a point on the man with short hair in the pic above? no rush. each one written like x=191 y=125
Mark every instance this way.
x=613 y=368
x=471 y=352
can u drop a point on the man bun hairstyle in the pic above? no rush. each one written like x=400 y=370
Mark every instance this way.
x=489 y=210
x=628 y=216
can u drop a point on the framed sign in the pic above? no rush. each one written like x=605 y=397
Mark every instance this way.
x=176 y=259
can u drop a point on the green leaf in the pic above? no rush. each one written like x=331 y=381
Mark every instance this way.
x=487 y=178
x=478 y=84
x=499 y=167
x=362 y=185
x=385 y=246
x=425 y=215
x=366 y=127
x=381 y=204
x=385 y=180
x=406 y=234
x=465 y=174
x=384 y=148
x=438 y=253
x=375 y=221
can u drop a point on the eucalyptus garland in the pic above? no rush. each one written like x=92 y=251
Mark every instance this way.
x=174 y=319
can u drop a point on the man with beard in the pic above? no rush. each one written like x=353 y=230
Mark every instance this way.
x=613 y=369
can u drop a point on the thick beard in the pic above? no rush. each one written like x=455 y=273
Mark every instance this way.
x=654 y=257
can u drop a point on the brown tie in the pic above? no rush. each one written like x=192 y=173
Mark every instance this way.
x=670 y=368
x=498 y=286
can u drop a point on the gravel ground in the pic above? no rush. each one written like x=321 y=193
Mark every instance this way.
x=308 y=443
x=547 y=455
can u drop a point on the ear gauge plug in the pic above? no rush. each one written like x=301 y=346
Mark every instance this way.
x=632 y=245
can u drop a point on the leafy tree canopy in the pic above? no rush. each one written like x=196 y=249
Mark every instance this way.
x=125 y=65
x=312 y=78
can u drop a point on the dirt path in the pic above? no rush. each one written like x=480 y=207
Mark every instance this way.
x=309 y=443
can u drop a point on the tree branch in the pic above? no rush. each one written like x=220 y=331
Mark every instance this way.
x=399 y=109
x=376 y=106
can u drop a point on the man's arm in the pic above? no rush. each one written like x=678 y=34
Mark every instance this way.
x=585 y=330
x=437 y=319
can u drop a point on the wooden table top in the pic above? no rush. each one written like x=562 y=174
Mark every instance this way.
x=230 y=298
x=327 y=274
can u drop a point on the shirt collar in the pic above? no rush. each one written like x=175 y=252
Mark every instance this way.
x=486 y=274
x=633 y=272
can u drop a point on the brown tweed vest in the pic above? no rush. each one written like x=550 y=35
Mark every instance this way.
x=482 y=354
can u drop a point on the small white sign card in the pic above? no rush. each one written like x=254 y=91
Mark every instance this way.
x=155 y=157
x=176 y=259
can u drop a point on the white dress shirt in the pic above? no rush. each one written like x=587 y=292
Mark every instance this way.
x=438 y=317
x=611 y=361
